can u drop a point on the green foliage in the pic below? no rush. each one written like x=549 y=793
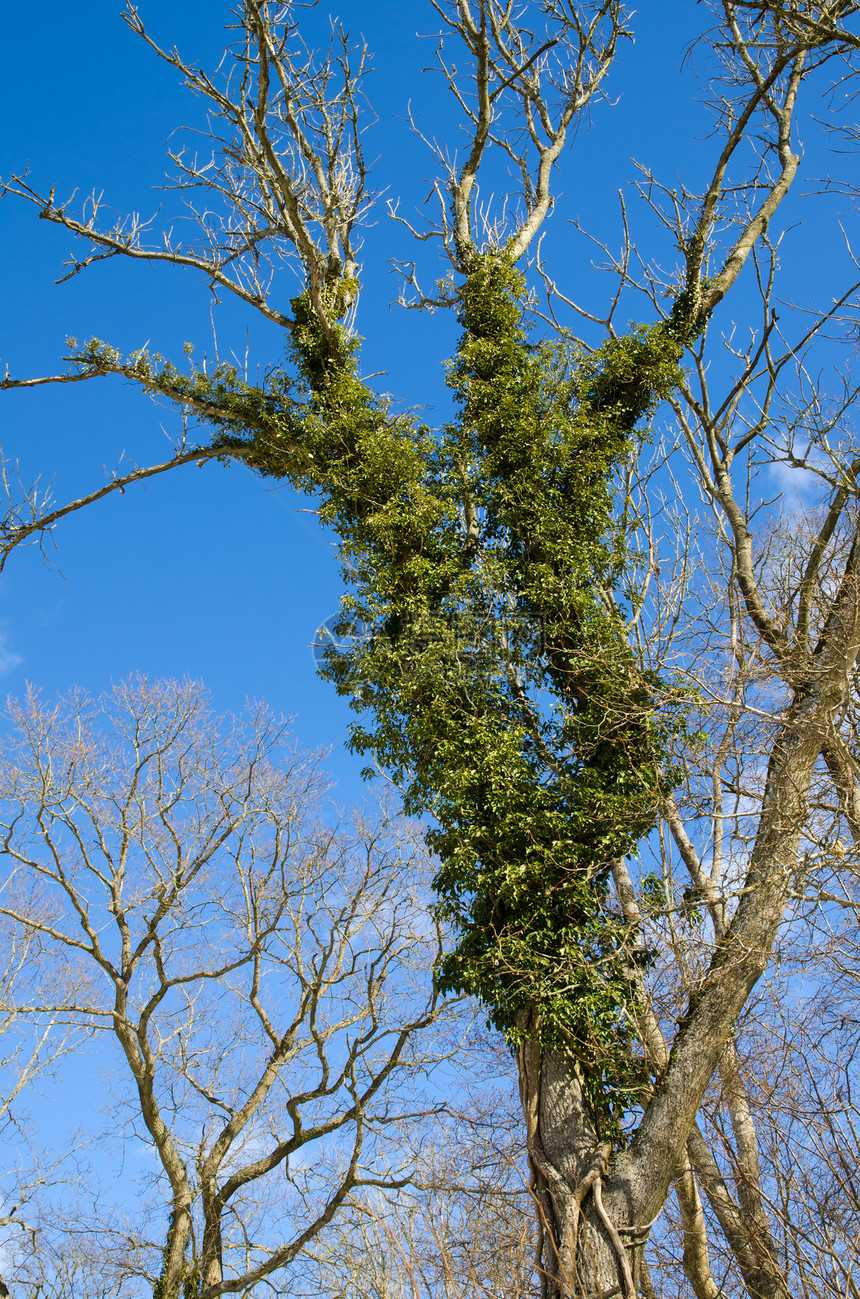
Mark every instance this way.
x=503 y=695
x=222 y=399
x=496 y=685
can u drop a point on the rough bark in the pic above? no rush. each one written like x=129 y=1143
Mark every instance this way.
x=568 y=1160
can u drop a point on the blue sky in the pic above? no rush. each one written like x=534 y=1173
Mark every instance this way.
x=214 y=573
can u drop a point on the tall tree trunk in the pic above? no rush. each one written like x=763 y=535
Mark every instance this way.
x=170 y=1284
x=580 y=1250
x=211 y=1255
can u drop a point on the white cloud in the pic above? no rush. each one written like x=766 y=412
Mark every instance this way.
x=799 y=486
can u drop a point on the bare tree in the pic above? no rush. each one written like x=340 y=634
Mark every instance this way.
x=464 y=1225
x=260 y=973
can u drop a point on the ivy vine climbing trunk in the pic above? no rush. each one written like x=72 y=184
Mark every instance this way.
x=577 y=1253
x=480 y=615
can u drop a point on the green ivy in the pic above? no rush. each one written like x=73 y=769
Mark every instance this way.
x=496 y=683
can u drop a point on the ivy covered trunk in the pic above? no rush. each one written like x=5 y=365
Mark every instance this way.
x=504 y=696
x=576 y=1255
x=590 y=1228
x=172 y=1283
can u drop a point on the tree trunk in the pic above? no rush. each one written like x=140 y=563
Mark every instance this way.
x=581 y=1251
x=211 y=1258
x=169 y=1285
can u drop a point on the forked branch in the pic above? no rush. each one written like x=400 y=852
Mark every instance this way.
x=530 y=76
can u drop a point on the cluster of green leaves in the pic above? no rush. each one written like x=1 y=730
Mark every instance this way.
x=495 y=683
x=502 y=693
x=221 y=397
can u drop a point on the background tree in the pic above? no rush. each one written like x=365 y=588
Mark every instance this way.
x=260 y=973
x=464 y=1225
x=547 y=699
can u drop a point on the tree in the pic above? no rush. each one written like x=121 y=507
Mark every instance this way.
x=539 y=675
x=464 y=1224
x=260 y=973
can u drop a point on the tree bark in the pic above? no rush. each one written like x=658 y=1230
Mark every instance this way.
x=580 y=1251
